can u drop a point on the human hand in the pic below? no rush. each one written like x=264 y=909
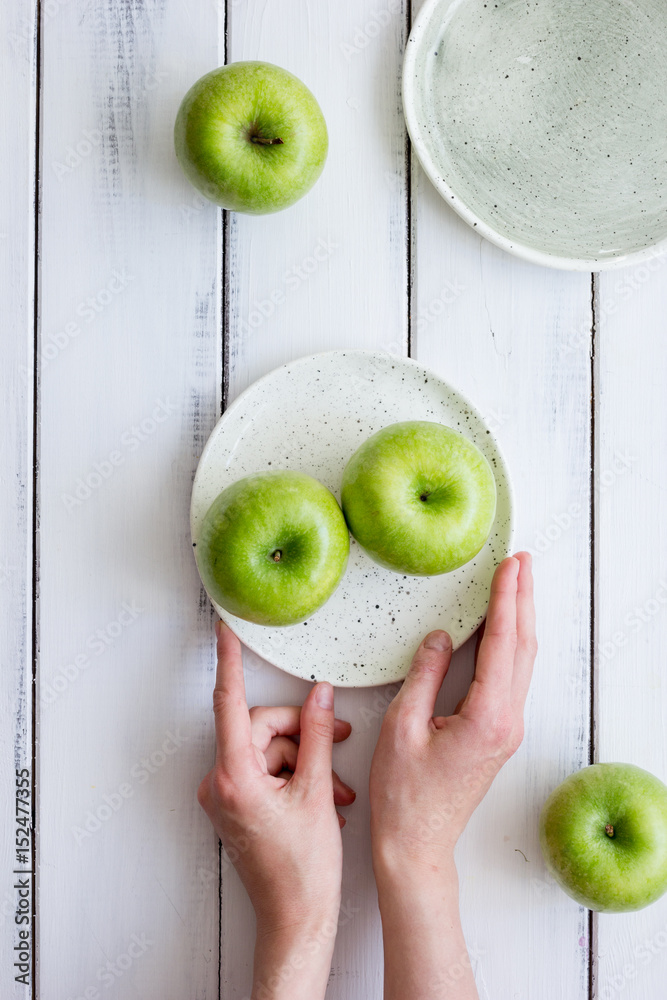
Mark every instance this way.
x=429 y=774
x=427 y=777
x=273 y=805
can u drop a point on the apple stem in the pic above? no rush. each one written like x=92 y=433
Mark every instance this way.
x=609 y=830
x=261 y=141
x=277 y=555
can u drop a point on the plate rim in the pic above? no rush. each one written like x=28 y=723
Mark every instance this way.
x=226 y=616
x=521 y=250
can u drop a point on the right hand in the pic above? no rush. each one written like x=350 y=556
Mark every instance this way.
x=429 y=774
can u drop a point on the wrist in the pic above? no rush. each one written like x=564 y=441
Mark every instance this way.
x=293 y=957
x=417 y=899
x=413 y=866
x=289 y=918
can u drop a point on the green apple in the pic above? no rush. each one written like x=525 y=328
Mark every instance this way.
x=603 y=833
x=419 y=497
x=273 y=547
x=251 y=137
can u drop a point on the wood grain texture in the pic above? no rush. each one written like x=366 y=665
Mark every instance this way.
x=17 y=248
x=331 y=271
x=131 y=375
x=502 y=331
x=337 y=265
x=631 y=480
x=134 y=297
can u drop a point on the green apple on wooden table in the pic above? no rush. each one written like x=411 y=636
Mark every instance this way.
x=273 y=547
x=251 y=137
x=603 y=833
x=419 y=497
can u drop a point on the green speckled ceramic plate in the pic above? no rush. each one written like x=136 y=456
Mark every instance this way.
x=543 y=123
x=311 y=415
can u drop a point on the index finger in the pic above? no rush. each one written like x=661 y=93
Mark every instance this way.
x=232 y=719
x=526 y=638
x=495 y=662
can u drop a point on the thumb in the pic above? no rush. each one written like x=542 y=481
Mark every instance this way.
x=427 y=672
x=316 y=738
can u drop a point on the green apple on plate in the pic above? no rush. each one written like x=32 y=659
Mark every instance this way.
x=419 y=497
x=603 y=833
x=251 y=137
x=273 y=547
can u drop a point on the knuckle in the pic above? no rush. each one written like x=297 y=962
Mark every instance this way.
x=391 y=716
x=532 y=646
x=223 y=789
x=501 y=729
x=516 y=739
x=255 y=712
x=400 y=724
x=321 y=730
x=511 y=639
x=203 y=794
x=424 y=664
x=221 y=699
x=504 y=638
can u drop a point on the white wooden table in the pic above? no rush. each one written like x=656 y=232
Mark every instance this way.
x=133 y=312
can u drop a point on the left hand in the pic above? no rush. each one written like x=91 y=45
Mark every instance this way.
x=273 y=801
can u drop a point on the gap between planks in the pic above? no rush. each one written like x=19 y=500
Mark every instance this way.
x=593 y=691
x=36 y=412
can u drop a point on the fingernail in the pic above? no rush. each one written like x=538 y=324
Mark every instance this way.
x=438 y=640
x=218 y=628
x=325 y=695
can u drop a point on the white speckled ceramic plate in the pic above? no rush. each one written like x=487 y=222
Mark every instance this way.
x=543 y=123
x=311 y=415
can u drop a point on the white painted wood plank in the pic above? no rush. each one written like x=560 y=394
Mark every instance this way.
x=335 y=260
x=131 y=374
x=632 y=583
x=515 y=338
x=337 y=264
x=17 y=229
